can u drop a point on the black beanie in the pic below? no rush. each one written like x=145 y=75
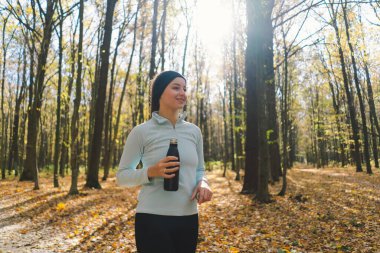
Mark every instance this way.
x=159 y=84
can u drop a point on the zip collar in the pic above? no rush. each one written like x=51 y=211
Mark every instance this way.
x=162 y=120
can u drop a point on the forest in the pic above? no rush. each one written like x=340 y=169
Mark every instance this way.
x=285 y=92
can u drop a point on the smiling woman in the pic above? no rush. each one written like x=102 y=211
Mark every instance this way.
x=166 y=221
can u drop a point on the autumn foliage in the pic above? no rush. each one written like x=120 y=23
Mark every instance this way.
x=326 y=210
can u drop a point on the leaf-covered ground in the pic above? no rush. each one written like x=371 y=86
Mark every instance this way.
x=325 y=210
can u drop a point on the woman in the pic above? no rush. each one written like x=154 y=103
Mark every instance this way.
x=166 y=221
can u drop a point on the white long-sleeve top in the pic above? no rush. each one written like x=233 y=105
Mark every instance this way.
x=149 y=142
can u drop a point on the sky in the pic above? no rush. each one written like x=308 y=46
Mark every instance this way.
x=213 y=21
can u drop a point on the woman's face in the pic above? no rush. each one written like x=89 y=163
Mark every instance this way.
x=174 y=95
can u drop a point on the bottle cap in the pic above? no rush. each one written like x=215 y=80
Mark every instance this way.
x=173 y=141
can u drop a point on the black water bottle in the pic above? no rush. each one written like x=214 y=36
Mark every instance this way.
x=171 y=184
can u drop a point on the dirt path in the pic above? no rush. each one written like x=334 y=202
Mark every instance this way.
x=329 y=210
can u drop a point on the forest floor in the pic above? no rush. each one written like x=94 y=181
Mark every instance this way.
x=324 y=210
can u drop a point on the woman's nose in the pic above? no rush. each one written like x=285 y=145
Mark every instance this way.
x=182 y=92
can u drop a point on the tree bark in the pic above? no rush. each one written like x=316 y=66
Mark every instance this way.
x=152 y=68
x=188 y=26
x=336 y=106
x=74 y=163
x=163 y=33
x=231 y=89
x=108 y=115
x=140 y=86
x=225 y=150
x=3 y=136
x=373 y=115
x=256 y=169
x=116 y=131
x=93 y=170
x=58 y=124
x=358 y=91
x=30 y=165
x=350 y=102
x=273 y=130
x=13 y=161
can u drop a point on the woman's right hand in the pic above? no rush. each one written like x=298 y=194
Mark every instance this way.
x=160 y=169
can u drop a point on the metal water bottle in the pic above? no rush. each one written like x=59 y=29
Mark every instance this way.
x=171 y=184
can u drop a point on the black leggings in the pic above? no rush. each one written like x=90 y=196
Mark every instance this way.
x=166 y=234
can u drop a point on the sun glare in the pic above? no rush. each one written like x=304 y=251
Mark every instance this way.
x=213 y=22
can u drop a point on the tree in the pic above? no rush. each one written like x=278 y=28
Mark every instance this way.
x=74 y=164
x=93 y=170
x=163 y=33
x=13 y=162
x=108 y=115
x=30 y=171
x=59 y=91
x=5 y=46
x=185 y=10
x=259 y=22
x=66 y=108
x=358 y=90
x=350 y=102
x=152 y=68
x=126 y=79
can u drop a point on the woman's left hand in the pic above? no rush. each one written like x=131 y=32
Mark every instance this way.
x=202 y=192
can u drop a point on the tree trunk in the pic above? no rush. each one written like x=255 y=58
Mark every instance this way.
x=205 y=120
x=30 y=165
x=232 y=127
x=116 y=131
x=188 y=26
x=273 y=131
x=65 y=119
x=13 y=161
x=3 y=137
x=263 y=50
x=74 y=164
x=94 y=94
x=93 y=170
x=152 y=68
x=373 y=115
x=139 y=80
x=374 y=142
x=358 y=92
x=284 y=112
x=237 y=108
x=225 y=150
x=255 y=167
x=163 y=33
x=350 y=102
x=58 y=124
x=108 y=116
x=336 y=106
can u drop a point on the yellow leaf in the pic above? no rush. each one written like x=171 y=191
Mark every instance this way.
x=23 y=231
x=60 y=206
x=234 y=250
x=29 y=10
x=286 y=249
